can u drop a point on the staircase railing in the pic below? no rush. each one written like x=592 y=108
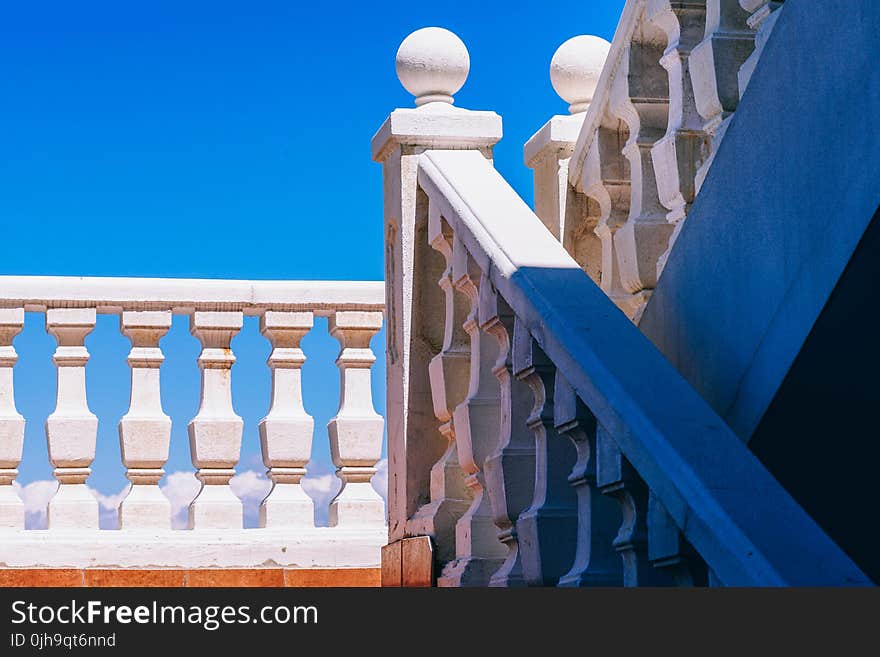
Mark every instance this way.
x=647 y=132
x=534 y=433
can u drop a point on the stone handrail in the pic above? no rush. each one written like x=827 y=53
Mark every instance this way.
x=287 y=535
x=643 y=435
x=185 y=296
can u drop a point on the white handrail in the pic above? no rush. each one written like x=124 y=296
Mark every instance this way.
x=706 y=478
x=183 y=295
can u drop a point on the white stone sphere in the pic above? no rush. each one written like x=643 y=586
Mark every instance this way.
x=575 y=70
x=432 y=64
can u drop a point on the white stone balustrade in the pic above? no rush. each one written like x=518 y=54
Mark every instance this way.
x=675 y=474
x=671 y=83
x=448 y=373
x=477 y=422
x=620 y=473
x=286 y=535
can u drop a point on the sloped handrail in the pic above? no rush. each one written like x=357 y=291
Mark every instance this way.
x=746 y=527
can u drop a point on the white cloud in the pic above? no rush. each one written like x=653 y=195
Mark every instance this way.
x=36 y=496
x=321 y=488
x=180 y=488
x=250 y=486
x=108 y=505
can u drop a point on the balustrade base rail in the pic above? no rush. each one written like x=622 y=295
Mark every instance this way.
x=316 y=547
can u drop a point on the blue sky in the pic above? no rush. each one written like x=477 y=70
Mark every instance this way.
x=226 y=140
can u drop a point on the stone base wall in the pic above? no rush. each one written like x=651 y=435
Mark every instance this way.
x=202 y=577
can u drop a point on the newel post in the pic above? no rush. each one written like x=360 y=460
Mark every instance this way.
x=432 y=64
x=571 y=216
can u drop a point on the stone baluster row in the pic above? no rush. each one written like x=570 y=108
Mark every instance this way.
x=215 y=432
x=675 y=86
x=449 y=375
x=477 y=422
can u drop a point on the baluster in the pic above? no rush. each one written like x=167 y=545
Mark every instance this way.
x=676 y=154
x=595 y=562
x=548 y=528
x=640 y=98
x=71 y=429
x=714 y=67
x=449 y=374
x=286 y=431
x=145 y=431
x=510 y=470
x=606 y=179
x=477 y=423
x=11 y=421
x=669 y=551
x=215 y=431
x=617 y=479
x=356 y=431
x=764 y=14
x=427 y=59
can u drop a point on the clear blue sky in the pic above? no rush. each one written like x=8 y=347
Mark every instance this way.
x=226 y=140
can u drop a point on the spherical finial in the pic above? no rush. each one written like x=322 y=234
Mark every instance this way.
x=575 y=70
x=432 y=64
